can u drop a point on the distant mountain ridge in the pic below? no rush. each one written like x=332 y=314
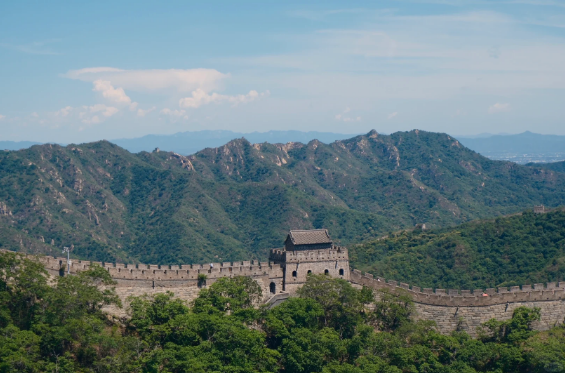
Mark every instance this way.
x=187 y=143
x=237 y=201
x=17 y=145
x=522 y=148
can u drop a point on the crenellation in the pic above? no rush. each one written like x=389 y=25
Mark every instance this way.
x=287 y=270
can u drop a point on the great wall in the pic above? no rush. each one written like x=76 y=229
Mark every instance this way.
x=308 y=252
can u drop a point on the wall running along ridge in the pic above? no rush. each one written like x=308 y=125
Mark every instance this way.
x=450 y=309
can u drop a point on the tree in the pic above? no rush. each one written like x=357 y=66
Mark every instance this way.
x=393 y=309
x=229 y=295
x=23 y=283
x=343 y=304
x=516 y=330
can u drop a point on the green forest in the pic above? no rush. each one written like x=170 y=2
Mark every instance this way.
x=330 y=327
x=525 y=248
x=238 y=201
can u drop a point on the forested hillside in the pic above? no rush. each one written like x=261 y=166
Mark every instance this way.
x=331 y=327
x=522 y=249
x=238 y=200
x=554 y=166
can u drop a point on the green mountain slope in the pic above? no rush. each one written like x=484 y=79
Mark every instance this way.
x=521 y=249
x=237 y=201
x=553 y=166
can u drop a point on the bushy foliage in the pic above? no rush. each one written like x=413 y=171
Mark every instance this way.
x=330 y=328
x=522 y=249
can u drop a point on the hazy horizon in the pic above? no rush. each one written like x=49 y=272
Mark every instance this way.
x=76 y=72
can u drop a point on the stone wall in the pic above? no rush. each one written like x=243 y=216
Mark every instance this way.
x=467 y=309
x=182 y=280
x=448 y=308
x=298 y=264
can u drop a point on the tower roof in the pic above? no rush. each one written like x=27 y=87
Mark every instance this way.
x=310 y=237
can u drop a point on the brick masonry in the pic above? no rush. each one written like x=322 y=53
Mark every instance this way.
x=287 y=271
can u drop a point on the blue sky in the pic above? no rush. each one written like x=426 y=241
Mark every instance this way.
x=84 y=71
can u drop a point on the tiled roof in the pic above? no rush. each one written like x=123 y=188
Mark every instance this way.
x=310 y=237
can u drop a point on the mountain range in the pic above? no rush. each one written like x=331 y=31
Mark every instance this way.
x=238 y=200
x=187 y=143
x=520 y=148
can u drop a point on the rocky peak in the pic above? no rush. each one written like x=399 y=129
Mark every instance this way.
x=4 y=209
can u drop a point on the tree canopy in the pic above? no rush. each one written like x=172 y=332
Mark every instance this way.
x=331 y=327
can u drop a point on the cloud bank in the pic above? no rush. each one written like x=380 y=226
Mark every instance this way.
x=200 y=97
x=154 y=80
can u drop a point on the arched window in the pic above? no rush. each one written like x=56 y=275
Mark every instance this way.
x=326 y=272
x=273 y=288
x=341 y=271
x=294 y=274
x=309 y=272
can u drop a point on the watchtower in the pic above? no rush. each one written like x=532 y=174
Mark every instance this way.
x=309 y=252
x=539 y=209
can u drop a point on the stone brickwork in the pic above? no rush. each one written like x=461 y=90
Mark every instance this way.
x=288 y=270
x=466 y=309
x=298 y=264
x=182 y=280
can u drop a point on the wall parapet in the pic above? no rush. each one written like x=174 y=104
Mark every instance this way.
x=153 y=272
x=174 y=275
x=466 y=298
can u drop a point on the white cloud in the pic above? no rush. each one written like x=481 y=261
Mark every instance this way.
x=200 y=97
x=100 y=109
x=344 y=118
x=174 y=113
x=116 y=95
x=34 y=114
x=2 y=117
x=92 y=120
x=76 y=74
x=499 y=108
x=152 y=80
x=64 y=111
x=392 y=115
x=144 y=112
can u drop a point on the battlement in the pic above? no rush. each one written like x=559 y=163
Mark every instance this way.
x=124 y=271
x=332 y=260
x=288 y=270
x=466 y=298
x=333 y=253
